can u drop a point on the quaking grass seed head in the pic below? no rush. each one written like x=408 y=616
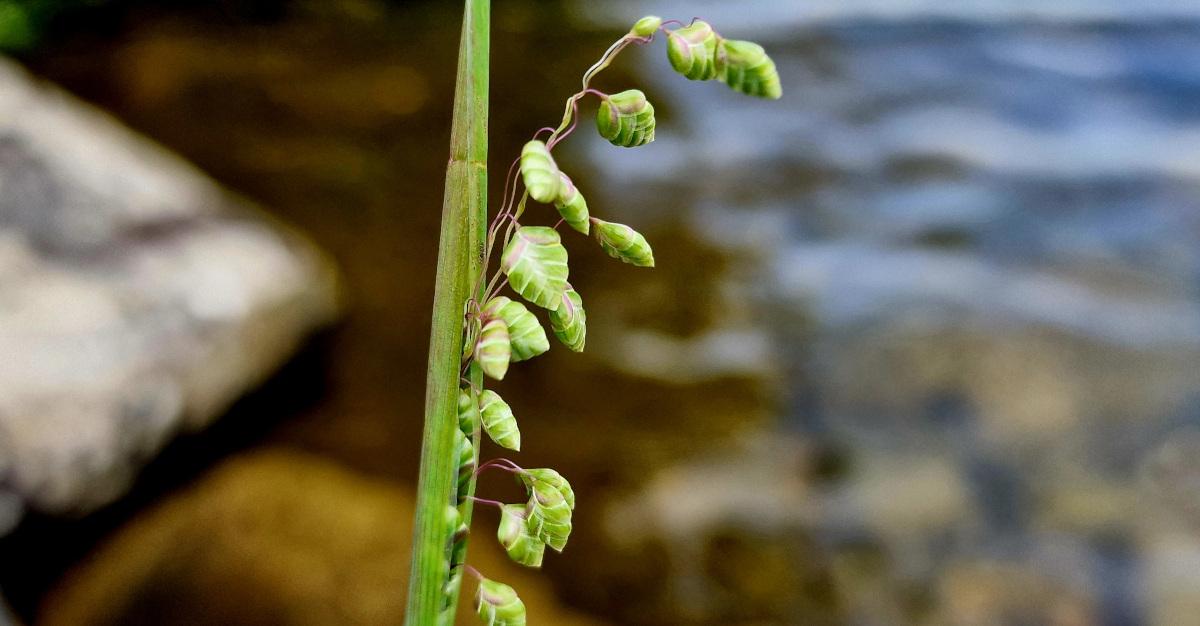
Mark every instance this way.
x=692 y=49
x=498 y=604
x=571 y=205
x=745 y=67
x=513 y=533
x=539 y=172
x=626 y=119
x=623 y=243
x=466 y=460
x=536 y=264
x=569 y=321
x=548 y=512
x=498 y=420
x=526 y=337
x=545 y=478
x=493 y=349
x=646 y=26
x=550 y=522
x=468 y=411
x=455 y=519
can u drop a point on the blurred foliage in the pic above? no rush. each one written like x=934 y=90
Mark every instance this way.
x=26 y=25
x=23 y=21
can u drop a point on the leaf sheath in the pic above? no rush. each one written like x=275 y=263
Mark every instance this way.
x=464 y=216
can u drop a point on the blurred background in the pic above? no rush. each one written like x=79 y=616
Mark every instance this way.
x=922 y=346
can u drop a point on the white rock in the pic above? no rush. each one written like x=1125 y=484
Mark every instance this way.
x=137 y=300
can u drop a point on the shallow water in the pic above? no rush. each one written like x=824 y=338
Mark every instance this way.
x=972 y=242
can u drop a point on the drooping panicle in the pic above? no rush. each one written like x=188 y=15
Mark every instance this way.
x=626 y=119
x=569 y=321
x=692 y=50
x=493 y=349
x=536 y=264
x=571 y=205
x=498 y=604
x=624 y=243
x=526 y=337
x=745 y=67
x=498 y=420
x=539 y=171
x=513 y=533
x=504 y=330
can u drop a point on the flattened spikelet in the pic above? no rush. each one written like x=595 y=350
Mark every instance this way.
x=493 y=349
x=569 y=321
x=539 y=171
x=692 y=50
x=536 y=264
x=745 y=67
x=626 y=119
x=624 y=243
x=498 y=420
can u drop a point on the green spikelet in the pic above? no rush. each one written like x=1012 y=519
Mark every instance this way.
x=646 y=26
x=498 y=420
x=546 y=478
x=526 y=337
x=536 y=264
x=539 y=171
x=447 y=614
x=458 y=543
x=468 y=411
x=498 y=604
x=626 y=119
x=466 y=459
x=571 y=205
x=549 y=522
x=624 y=243
x=514 y=535
x=455 y=520
x=470 y=335
x=548 y=513
x=493 y=349
x=745 y=67
x=569 y=321
x=692 y=50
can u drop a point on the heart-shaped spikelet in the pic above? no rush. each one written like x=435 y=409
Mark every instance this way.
x=745 y=67
x=692 y=51
x=626 y=119
x=539 y=171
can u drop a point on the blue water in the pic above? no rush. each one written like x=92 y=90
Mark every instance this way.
x=972 y=233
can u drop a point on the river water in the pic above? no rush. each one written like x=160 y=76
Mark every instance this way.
x=967 y=250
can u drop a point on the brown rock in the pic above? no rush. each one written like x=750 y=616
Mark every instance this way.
x=276 y=537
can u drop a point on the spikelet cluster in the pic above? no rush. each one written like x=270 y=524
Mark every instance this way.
x=697 y=52
x=534 y=260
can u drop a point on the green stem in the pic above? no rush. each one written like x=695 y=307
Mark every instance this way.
x=464 y=217
x=605 y=60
